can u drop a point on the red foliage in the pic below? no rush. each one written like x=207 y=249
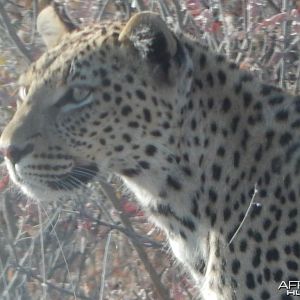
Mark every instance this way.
x=4 y=182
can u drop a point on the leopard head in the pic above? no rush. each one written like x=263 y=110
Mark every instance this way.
x=94 y=103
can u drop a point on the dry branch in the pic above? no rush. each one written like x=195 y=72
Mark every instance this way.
x=50 y=285
x=13 y=36
x=160 y=288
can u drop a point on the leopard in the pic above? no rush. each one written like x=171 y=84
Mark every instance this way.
x=211 y=153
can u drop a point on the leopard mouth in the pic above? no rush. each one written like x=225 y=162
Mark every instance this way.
x=79 y=176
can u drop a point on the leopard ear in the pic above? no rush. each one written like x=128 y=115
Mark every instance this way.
x=53 y=22
x=152 y=39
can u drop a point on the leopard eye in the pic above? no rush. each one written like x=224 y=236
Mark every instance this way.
x=80 y=94
x=23 y=91
x=76 y=97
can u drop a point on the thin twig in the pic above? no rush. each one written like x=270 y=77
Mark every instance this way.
x=297 y=85
x=20 y=262
x=102 y=6
x=163 y=9
x=274 y=6
x=285 y=32
x=31 y=274
x=140 y=5
x=9 y=216
x=104 y=266
x=245 y=216
x=14 y=37
x=179 y=14
x=225 y=29
x=44 y=287
x=61 y=251
x=34 y=12
x=84 y=256
x=3 y=270
x=145 y=241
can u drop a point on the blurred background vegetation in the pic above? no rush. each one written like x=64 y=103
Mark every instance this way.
x=100 y=245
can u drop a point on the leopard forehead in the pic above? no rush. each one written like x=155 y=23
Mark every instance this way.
x=92 y=46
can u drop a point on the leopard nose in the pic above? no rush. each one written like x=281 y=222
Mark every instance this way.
x=15 y=153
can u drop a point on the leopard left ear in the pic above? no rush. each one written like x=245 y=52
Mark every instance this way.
x=53 y=22
x=150 y=36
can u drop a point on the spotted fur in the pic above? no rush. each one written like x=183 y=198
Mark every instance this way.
x=188 y=132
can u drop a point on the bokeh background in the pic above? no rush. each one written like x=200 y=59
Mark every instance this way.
x=100 y=245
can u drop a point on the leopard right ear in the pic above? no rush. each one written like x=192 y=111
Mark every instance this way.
x=155 y=43
x=53 y=22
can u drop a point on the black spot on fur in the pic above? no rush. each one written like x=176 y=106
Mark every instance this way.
x=173 y=182
x=212 y=195
x=150 y=150
x=130 y=172
x=210 y=79
x=126 y=110
x=250 y=281
x=222 y=77
x=247 y=99
x=188 y=223
x=266 y=89
x=216 y=172
x=282 y=115
x=272 y=255
x=236 y=159
x=234 y=123
x=144 y=164
x=202 y=61
x=195 y=208
x=276 y=164
x=226 y=105
x=200 y=266
x=275 y=100
x=285 y=139
x=164 y=210
x=140 y=94
x=226 y=214
x=291 y=228
x=182 y=234
x=256 y=258
x=235 y=267
x=147 y=115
